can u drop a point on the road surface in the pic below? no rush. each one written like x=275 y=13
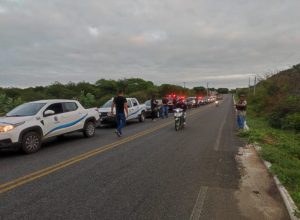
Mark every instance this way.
x=153 y=172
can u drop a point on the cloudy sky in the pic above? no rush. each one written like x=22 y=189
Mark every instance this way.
x=222 y=42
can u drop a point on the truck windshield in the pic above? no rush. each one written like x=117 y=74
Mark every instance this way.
x=107 y=104
x=27 y=109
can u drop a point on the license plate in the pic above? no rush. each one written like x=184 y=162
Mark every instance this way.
x=177 y=114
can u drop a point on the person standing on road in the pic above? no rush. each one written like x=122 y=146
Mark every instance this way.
x=154 y=104
x=165 y=108
x=120 y=103
x=241 y=108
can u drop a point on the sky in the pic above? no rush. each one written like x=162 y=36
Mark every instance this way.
x=165 y=41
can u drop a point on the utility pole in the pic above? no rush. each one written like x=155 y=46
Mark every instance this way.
x=249 y=85
x=254 y=85
x=207 y=88
x=183 y=84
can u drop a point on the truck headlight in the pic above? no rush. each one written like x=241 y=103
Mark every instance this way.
x=6 y=128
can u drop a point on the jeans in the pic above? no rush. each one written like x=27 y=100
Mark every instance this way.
x=121 y=121
x=165 y=110
x=241 y=121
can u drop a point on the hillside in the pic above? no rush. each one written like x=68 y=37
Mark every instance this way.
x=278 y=99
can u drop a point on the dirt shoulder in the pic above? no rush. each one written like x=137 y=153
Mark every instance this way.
x=258 y=195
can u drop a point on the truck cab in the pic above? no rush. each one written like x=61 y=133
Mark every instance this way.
x=136 y=111
x=30 y=123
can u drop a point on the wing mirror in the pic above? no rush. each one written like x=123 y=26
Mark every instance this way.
x=48 y=113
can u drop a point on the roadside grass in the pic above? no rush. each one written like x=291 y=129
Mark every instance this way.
x=281 y=148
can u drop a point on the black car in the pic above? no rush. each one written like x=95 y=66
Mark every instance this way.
x=192 y=102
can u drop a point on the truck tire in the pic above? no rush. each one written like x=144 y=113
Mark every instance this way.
x=31 y=142
x=89 y=129
x=142 y=117
x=60 y=137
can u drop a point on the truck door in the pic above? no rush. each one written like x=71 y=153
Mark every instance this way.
x=130 y=109
x=72 y=118
x=136 y=108
x=53 y=123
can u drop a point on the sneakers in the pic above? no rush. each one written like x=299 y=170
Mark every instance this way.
x=118 y=133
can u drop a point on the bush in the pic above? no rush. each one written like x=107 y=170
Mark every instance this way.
x=292 y=121
x=8 y=104
x=88 y=100
x=277 y=99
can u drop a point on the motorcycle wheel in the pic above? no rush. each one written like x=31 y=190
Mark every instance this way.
x=182 y=123
x=177 y=125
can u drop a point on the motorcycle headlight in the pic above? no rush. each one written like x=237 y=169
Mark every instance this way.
x=6 y=128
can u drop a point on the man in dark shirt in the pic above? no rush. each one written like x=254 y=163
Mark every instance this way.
x=153 y=107
x=120 y=103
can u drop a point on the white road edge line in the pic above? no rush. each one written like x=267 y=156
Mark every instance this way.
x=197 y=210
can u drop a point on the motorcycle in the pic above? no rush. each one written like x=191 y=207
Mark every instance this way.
x=217 y=103
x=179 y=118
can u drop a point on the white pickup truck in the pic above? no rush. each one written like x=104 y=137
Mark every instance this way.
x=30 y=123
x=135 y=111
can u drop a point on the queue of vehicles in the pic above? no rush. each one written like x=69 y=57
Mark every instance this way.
x=28 y=125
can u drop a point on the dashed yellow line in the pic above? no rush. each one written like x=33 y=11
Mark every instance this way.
x=51 y=169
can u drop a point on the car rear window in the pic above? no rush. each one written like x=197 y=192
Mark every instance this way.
x=134 y=102
x=70 y=106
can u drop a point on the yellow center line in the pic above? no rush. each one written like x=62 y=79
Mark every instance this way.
x=48 y=170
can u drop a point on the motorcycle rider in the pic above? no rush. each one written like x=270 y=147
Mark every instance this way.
x=181 y=104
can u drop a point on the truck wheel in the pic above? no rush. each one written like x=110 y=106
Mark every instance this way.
x=31 y=142
x=61 y=137
x=142 y=117
x=89 y=129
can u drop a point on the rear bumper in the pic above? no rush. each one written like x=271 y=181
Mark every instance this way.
x=107 y=120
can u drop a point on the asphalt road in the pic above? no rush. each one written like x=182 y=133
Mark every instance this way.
x=153 y=172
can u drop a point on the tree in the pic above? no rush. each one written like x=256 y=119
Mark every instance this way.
x=107 y=86
x=200 y=90
x=87 y=100
x=8 y=103
x=223 y=90
x=166 y=89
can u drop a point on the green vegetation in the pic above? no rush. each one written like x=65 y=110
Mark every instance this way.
x=223 y=90
x=90 y=94
x=273 y=116
x=277 y=99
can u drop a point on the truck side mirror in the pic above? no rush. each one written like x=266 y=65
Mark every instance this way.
x=48 y=113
